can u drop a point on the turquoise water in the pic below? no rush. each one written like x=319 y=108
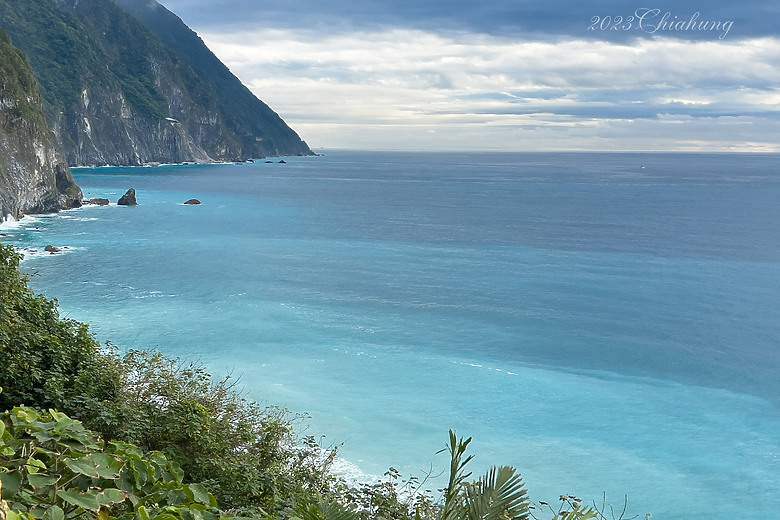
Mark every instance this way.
x=605 y=322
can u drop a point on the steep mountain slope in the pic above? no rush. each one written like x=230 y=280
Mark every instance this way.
x=34 y=177
x=115 y=94
x=246 y=115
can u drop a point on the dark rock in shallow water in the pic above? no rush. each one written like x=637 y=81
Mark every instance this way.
x=52 y=249
x=128 y=199
x=269 y=162
x=97 y=202
x=282 y=162
x=193 y=202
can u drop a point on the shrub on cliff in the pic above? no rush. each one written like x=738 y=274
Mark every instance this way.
x=45 y=360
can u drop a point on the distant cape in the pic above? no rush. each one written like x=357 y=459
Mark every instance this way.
x=126 y=82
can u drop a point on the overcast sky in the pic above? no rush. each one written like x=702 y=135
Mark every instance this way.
x=507 y=75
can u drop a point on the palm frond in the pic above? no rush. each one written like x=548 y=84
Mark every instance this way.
x=453 y=497
x=324 y=509
x=499 y=495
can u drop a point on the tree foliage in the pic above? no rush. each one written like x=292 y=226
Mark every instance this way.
x=55 y=469
x=45 y=360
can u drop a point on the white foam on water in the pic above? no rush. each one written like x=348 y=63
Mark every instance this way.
x=351 y=473
x=11 y=223
x=40 y=252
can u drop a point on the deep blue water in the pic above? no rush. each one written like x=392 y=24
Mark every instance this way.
x=605 y=322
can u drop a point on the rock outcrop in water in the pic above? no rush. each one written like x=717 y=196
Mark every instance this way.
x=115 y=94
x=34 y=176
x=128 y=199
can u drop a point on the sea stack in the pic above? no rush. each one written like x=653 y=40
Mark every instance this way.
x=128 y=199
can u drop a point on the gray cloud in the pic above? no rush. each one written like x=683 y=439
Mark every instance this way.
x=472 y=90
x=513 y=18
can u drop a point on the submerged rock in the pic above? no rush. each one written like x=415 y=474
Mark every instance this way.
x=193 y=202
x=128 y=199
x=52 y=249
x=97 y=202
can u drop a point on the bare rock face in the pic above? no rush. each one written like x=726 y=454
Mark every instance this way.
x=192 y=202
x=128 y=199
x=34 y=176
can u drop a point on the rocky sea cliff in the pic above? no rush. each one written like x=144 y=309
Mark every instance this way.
x=100 y=82
x=34 y=176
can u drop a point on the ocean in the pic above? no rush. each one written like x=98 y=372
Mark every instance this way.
x=607 y=323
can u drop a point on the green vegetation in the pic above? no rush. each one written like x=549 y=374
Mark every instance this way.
x=96 y=62
x=59 y=50
x=17 y=84
x=55 y=469
x=145 y=437
x=244 y=452
x=67 y=55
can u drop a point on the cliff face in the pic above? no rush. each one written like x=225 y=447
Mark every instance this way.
x=34 y=177
x=114 y=93
x=257 y=127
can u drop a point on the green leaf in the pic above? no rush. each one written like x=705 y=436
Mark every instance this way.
x=25 y=414
x=11 y=483
x=57 y=416
x=96 y=465
x=44 y=451
x=142 y=513
x=200 y=494
x=39 y=481
x=36 y=513
x=10 y=515
x=54 y=513
x=33 y=465
x=108 y=467
x=110 y=496
x=176 y=471
x=141 y=472
x=43 y=436
x=83 y=466
x=195 y=514
x=86 y=500
x=166 y=516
